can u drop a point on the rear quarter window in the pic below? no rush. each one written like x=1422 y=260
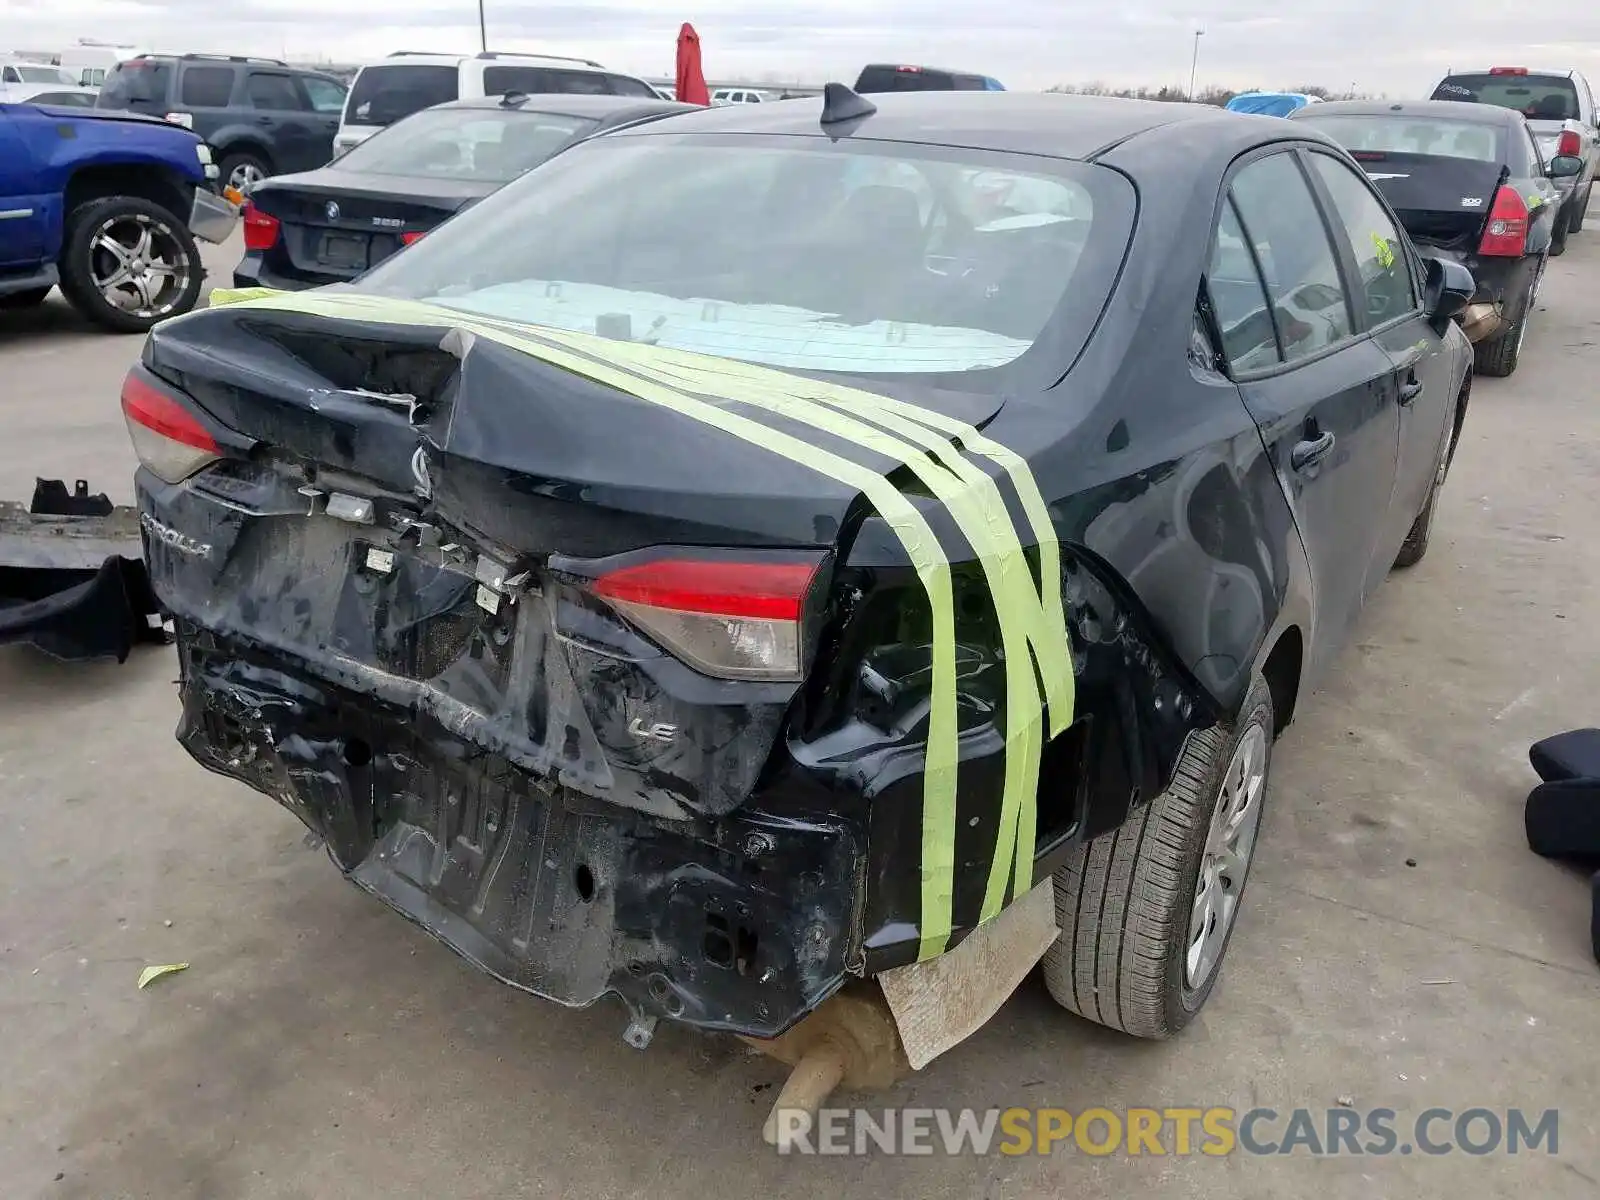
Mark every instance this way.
x=383 y=94
x=138 y=84
x=206 y=87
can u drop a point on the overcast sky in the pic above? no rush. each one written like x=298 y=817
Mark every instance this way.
x=1391 y=46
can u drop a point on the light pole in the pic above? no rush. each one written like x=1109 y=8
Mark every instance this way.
x=483 y=29
x=1194 y=60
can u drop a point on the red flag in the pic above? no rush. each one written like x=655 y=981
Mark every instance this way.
x=691 y=78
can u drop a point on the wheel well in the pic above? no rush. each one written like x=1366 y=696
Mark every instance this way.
x=1461 y=415
x=1282 y=673
x=246 y=146
x=159 y=185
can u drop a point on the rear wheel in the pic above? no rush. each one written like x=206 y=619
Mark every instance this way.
x=129 y=263
x=1580 y=210
x=243 y=170
x=1558 y=236
x=1498 y=356
x=1415 y=546
x=31 y=298
x=1146 y=913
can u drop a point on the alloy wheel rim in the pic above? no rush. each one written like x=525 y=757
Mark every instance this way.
x=138 y=265
x=1225 y=858
x=245 y=175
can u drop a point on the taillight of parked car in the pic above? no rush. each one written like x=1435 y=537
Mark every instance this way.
x=166 y=436
x=415 y=235
x=732 y=619
x=260 y=229
x=1569 y=143
x=1506 y=235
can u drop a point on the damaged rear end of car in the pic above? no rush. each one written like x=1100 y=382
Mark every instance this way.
x=704 y=730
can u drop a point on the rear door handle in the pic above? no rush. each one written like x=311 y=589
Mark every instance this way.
x=1411 y=389
x=1310 y=453
x=263 y=120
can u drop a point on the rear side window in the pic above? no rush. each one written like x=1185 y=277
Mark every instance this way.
x=1279 y=220
x=325 y=94
x=276 y=93
x=1239 y=299
x=623 y=86
x=136 y=84
x=582 y=83
x=498 y=81
x=385 y=93
x=206 y=87
x=1537 y=97
x=1387 y=289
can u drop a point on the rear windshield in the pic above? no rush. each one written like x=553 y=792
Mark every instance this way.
x=384 y=93
x=910 y=79
x=1537 y=97
x=139 y=83
x=865 y=258
x=1412 y=135
x=464 y=143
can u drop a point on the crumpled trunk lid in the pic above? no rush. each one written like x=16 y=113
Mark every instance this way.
x=1441 y=201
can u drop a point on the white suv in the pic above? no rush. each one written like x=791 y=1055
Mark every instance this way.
x=407 y=82
x=737 y=96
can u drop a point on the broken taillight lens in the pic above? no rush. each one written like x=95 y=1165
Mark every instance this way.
x=260 y=229
x=166 y=436
x=729 y=619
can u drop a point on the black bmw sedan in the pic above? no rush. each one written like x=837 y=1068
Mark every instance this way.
x=1469 y=183
x=787 y=543
x=331 y=224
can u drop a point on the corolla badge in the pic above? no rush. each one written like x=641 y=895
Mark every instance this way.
x=332 y=210
x=179 y=541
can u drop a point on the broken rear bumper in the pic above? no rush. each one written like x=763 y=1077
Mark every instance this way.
x=72 y=582
x=735 y=924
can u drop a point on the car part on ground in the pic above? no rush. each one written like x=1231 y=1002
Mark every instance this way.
x=107 y=205
x=72 y=582
x=330 y=225
x=1562 y=814
x=717 y=606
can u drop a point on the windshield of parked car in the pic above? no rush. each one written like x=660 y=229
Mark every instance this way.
x=387 y=92
x=857 y=257
x=1402 y=134
x=1537 y=97
x=464 y=143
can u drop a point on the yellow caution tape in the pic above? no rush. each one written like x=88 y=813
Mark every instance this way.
x=1032 y=618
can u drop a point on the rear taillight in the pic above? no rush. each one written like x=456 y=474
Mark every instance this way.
x=415 y=235
x=167 y=437
x=1569 y=143
x=260 y=229
x=910 y=70
x=729 y=619
x=1506 y=235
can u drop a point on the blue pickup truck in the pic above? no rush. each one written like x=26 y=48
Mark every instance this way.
x=107 y=206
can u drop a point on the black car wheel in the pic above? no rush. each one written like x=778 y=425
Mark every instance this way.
x=129 y=263
x=1146 y=912
x=31 y=298
x=1558 y=236
x=1580 y=209
x=1498 y=356
x=1415 y=546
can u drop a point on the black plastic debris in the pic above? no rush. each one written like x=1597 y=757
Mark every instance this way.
x=1562 y=816
x=72 y=579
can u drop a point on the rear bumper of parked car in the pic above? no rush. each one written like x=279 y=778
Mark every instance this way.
x=1501 y=283
x=211 y=217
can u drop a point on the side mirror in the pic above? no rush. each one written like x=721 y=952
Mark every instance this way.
x=1447 y=290
x=1565 y=166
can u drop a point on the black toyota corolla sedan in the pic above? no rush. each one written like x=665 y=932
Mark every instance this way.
x=1468 y=183
x=768 y=548
x=329 y=225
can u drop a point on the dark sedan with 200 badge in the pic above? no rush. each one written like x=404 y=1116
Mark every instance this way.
x=331 y=224
x=833 y=527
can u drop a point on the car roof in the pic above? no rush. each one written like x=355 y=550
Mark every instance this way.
x=571 y=104
x=1454 y=110
x=490 y=57
x=1054 y=124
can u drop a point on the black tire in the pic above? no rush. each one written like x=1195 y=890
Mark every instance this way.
x=1125 y=902
x=1579 y=209
x=1498 y=356
x=80 y=257
x=237 y=162
x=31 y=298
x=1558 y=236
x=1415 y=547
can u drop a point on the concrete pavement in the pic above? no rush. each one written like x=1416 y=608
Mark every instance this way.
x=1400 y=946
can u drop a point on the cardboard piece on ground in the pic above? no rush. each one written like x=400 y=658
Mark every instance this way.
x=940 y=1003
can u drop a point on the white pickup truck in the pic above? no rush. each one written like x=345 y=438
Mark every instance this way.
x=1560 y=110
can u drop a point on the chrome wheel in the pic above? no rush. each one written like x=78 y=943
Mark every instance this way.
x=245 y=176
x=1225 y=859
x=139 y=266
